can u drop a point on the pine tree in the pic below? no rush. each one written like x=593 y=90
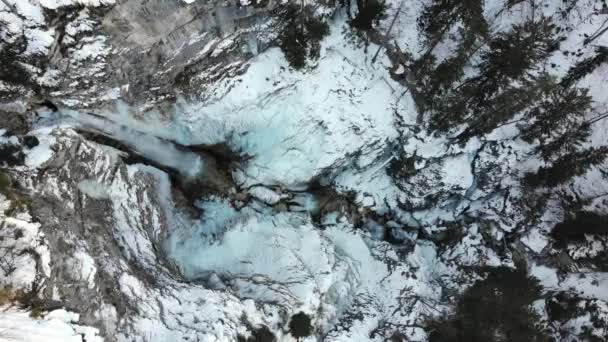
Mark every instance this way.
x=566 y=167
x=440 y=15
x=512 y=99
x=504 y=86
x=299 y=325
x=368 y=11
x=497 y=308
x=300 y=34
x=435 y=21
x=586 y=66
x=557 y=120
x=513 y=54
x=576 y=226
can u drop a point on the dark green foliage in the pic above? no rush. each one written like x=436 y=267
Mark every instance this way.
x=497 y=308
x=368 y=12
x=11 y=155
x=566 y=143
x=512 y=54
x=557 y=120
x=563 y=307
x=30 y=141
x=260 y=334
x=484 y=115
x=503 y=88
x=8 y=189
x=574 y=227
x=11 y=70
x=433 y=81
x=299 y=325
x=586 y=66
x=293 y=44
x=5 y=183
x=403 y=167
x=566 y=167
x=300 y=35
x=30 y=300
x=440 y=15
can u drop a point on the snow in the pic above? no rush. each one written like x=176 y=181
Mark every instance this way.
x=335 y=121
x=535 y=240
x=400 y=70
x=83 y=264
x=30 y=10
x=587 y=285
x=302 y=120
x=161 y=151
x=265 y=195
x=296 y=125
x=57 y=326
x=221 y=47
x=55 y=4
x=38 y=155
x=93 y=189
x=457 y=171
x=266 y=250
x=39 y=42
x=91 y=48
x=17 y=237
x=277 y=257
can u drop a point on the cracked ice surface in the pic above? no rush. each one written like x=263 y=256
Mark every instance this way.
x=280 y=257
x=295 y=125
x=283 y=259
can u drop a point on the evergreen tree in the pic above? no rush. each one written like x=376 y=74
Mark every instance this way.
x=513 y=54
x=504 y=86
x=440 y=15
x=497 y=308
x=299 y=325
x=557 y=120
x=586 y=66
x=435 y=21
x=566 y=167
x=300 y=34
x=575 y=227
x=368 y=11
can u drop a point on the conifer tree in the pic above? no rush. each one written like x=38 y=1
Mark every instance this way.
x=566 y=167
x=497 y=308
x=557 y=120
x=492 y=97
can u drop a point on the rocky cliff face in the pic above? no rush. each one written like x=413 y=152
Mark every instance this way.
x=167 y=175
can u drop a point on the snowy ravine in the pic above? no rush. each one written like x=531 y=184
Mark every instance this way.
x=149 y=210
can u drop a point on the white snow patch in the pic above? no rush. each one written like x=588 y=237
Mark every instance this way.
x=457 y=171
x=57 y=326
x=400 y=70
x=84 y=265
x=40 y=154
x=94 y=189
x=535 y=240
x=55 y=4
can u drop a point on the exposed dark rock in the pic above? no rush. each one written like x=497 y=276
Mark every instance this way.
x=30 y=141
x=11 y=155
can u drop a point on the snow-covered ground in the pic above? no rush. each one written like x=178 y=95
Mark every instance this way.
x=56 y=326
x=255 y=261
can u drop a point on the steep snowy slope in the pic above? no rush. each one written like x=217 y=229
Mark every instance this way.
x=173 y=178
